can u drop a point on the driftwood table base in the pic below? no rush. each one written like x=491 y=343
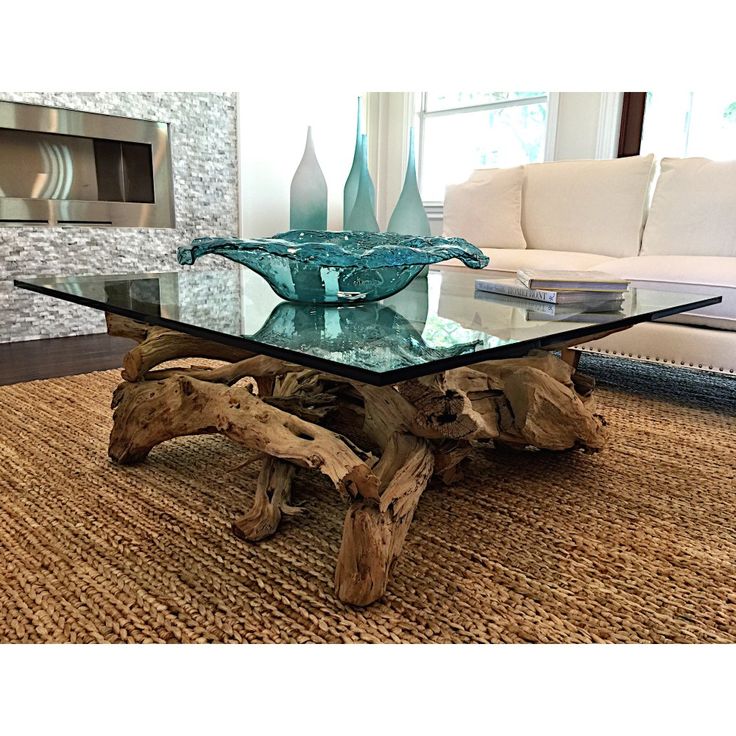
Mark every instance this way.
x=409 y=432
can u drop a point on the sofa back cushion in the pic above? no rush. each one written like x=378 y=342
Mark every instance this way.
x=587 y=206
x=693 y=210
x=486 y=209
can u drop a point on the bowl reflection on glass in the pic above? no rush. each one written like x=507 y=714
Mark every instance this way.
x=372 y=336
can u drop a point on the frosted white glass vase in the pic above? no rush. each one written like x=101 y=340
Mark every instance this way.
x=308 y=193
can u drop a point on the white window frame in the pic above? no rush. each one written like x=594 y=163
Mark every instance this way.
x=388 y=120
x=609 y=124
x=422 y=114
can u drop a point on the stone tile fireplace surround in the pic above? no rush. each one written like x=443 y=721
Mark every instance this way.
x=203 y=134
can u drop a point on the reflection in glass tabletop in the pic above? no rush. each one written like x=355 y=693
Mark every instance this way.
x=434 y=324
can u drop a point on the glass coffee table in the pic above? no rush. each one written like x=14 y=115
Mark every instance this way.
x=380 y=397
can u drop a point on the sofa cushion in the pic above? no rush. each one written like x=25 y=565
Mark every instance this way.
x=509 y=260
x=512 y=260
x=486 y=211
x=693 y=209
x=586 y=206
x=710 y=275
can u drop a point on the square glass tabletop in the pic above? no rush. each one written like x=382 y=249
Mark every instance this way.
x=434 y=324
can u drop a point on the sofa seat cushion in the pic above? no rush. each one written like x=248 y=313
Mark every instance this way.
x=487 y=211
x=587 y=206
x=693 y=209
x=711 y=275
x=508 y=260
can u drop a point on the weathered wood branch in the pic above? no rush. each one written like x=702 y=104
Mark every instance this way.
x=265 y=385
x=159 y=344
x=119 y=326
x=550 y=415
x=311 y=408
x=485 y=403
x=447 y=458
x=272 y=499
x=421 y=427
x=163 y=345
x=259 y=366
x=499 y=370
x=151 y=412
x=374 y=533
x=299 y=394
x=386 y=412
x=441 y=411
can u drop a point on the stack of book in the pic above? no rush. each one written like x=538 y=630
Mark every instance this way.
x=558 y=294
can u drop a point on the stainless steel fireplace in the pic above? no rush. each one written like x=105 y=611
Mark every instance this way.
x=64 y=167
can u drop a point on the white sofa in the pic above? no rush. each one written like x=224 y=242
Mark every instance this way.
x=669 y=226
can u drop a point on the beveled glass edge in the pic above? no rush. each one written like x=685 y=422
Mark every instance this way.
x=374 y=378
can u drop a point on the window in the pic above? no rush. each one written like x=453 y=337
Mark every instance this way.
x=462 y=131
x=690 y=124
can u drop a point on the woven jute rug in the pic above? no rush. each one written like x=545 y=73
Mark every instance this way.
x=633 y=544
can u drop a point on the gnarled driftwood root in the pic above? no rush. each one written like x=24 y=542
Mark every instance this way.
x=273 y=494
x=151 y=412
x=156 y=345
x=420 y=428
x=374 y=531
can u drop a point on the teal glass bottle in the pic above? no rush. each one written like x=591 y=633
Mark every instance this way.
x=350 y=192
x=363 y=215
x=308 y=193
x=409 y=216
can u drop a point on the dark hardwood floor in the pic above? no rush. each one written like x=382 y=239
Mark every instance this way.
x=63 y=356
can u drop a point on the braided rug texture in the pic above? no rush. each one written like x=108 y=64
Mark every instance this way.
x=633 y=544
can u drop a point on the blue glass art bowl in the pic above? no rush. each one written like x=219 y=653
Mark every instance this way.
x=334 y=267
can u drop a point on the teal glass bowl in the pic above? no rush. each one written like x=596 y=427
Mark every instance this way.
x=335 y=267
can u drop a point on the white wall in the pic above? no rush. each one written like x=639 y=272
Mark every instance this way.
x=577 y=125
x=272 y=129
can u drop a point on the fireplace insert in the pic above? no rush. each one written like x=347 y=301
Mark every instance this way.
x=65 y=167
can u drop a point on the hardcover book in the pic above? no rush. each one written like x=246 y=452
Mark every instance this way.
x=515 y=301
x=566 y=280
x=512 y=287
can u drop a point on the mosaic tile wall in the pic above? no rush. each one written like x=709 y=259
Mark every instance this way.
x=203 y=134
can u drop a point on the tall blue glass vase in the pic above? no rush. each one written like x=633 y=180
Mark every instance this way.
x=353 y=181
x=409 y=216
x=363 y=215
x=308 y=193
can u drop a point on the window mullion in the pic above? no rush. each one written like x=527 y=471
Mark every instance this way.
x=520 y=102
x=420 y=152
